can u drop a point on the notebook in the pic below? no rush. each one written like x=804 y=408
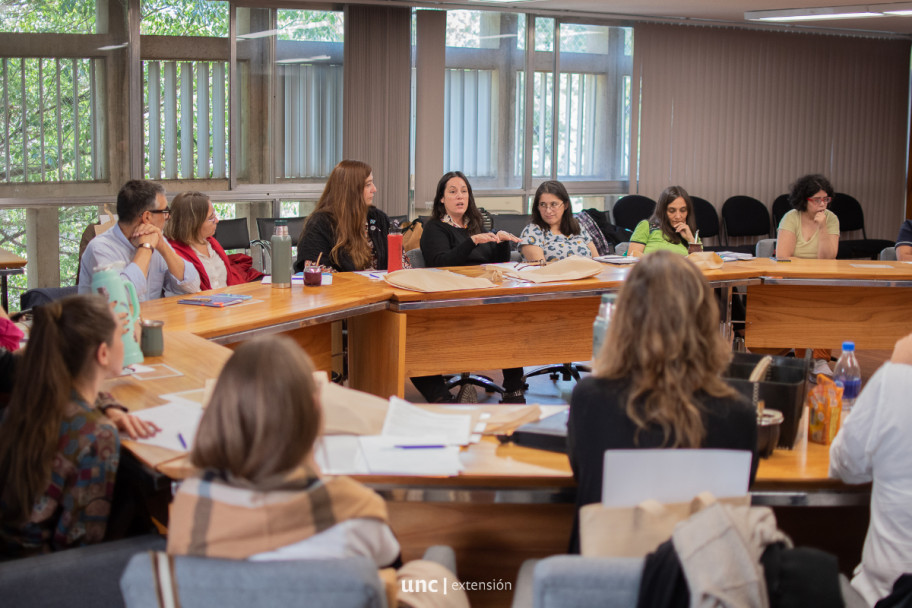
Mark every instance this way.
x=219 y=300
x=546 y=434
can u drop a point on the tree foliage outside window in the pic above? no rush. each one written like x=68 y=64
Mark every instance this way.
x=185 y=18
x=47 y=16
x=38 y=94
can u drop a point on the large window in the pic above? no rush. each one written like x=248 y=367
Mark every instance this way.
x=571 y=122
x=302 y=52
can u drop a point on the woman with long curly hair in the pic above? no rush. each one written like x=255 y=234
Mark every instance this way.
x=346 y=228
x=657 y=381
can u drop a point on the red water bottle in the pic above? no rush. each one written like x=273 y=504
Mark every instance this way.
x=394 y=248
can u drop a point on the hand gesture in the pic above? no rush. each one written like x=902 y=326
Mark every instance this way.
x=503 y=235
x=684 y=230
x=820 y=219
x=131 y=425
x=146 y=233
x=484 y=237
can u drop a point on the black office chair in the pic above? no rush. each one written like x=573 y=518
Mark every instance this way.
x=851 y=217
x=632 y=209
x=266 y=228
x=707 y=222
x=514 y=223
x=744 y=216
x=42 y=295
x=781 y=206
x=233 y=234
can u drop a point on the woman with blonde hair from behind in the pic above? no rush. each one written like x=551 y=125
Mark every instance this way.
x=657 y=381
x=259 y=495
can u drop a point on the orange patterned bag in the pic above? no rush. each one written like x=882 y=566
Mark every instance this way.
x=825 y=404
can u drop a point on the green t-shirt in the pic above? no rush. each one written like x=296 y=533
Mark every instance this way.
x=654 y=240
x=791 y=221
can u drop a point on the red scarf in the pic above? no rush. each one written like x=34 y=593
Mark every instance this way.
x=235 y=275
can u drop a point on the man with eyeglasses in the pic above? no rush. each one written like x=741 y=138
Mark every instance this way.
x=136 y=241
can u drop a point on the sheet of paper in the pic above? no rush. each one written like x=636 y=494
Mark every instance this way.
x=340 y=455
x=870 y=266
x=374 y=275
x=298 y=279
x=732 y=256
x=405 y=419
x=155 y=372
x=173 y=419
x=617 y=259
x=632 y=476
x=398 y=455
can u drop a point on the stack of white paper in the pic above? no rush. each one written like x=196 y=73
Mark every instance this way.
x=177 y=420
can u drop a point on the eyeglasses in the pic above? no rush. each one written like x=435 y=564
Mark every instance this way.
x=166 y=210
x=557 y=205
x=822 y=199
x=212 y=219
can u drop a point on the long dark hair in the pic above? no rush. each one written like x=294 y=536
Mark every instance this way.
x=472 y=218
x=659 y=219
x=569 y=225
x=65 y=336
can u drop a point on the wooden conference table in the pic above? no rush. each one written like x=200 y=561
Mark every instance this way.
x=395 y=334
x=510 y=503
x=10 y=263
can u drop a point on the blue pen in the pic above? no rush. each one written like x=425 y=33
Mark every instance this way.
x=419 y=447
x=181 y=439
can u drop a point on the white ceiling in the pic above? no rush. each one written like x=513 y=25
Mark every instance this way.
x=705 y=11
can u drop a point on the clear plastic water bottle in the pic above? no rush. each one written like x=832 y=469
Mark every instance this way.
x=848 y=373
x=602 y=321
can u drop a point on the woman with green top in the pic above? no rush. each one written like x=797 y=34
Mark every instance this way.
x=809 y=230
x=672 y=227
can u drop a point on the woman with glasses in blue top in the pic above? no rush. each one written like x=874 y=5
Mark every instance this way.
x=554 y=233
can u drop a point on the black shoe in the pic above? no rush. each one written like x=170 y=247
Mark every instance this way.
x=513 y=397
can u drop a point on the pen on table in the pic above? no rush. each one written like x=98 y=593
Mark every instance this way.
x=180 y=438
x=419 y=447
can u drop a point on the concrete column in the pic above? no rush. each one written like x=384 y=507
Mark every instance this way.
x=42 y=238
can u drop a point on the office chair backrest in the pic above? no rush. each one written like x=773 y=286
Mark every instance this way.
x=745 y=216
x=766 y=248
x=514 y=223
x=849 y=212
x=630 y=210
x=781 y=206
x=228 y=583
x=887 y=254
x=706 y=217
x=415 y=258
x=266 y=227
x=233 y=234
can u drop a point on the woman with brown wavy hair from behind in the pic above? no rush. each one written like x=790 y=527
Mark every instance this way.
x=657 y=381
x=59 y=450
x=346 y=228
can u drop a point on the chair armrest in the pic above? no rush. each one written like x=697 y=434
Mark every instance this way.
x=522 y=592
x=572 y=581
x=443 y=555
